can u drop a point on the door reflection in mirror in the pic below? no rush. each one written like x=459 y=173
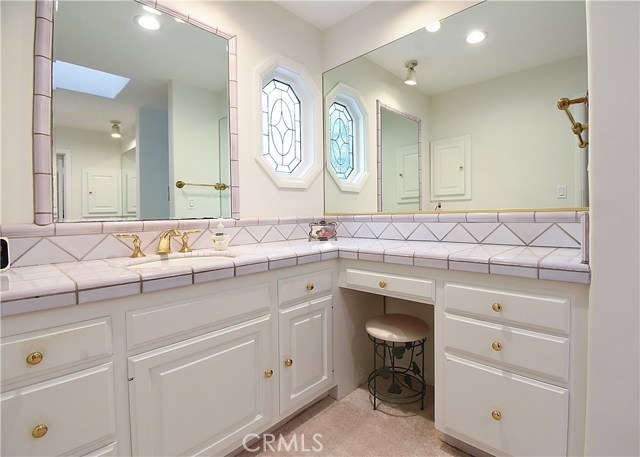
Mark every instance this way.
x=400 y=162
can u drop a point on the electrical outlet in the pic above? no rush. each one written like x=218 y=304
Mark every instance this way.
x=191 y=203
x=562 y=191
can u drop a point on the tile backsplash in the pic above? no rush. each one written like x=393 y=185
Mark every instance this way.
x=67 y=242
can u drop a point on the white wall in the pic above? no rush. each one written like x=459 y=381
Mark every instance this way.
x=519 y=139
x=613 y=399
x=16 y=79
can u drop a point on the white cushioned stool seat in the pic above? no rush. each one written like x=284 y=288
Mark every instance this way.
x=397 y=328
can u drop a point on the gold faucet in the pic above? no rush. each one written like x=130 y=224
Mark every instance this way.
x=137 y=252
x=185 y=240
x=164 y=245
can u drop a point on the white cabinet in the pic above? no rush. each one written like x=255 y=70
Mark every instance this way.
x=231 y=363
x=59 y=396
x=305 y=337
x=305 y=352
x=202 y=394
x=506 y=370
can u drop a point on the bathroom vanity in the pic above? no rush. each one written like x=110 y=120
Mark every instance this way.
x=198 y=369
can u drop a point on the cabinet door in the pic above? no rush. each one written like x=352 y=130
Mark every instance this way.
x=305 y=352
x=203 y=394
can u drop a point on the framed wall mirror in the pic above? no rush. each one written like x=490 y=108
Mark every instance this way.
x=143 y=120
x=492 y=136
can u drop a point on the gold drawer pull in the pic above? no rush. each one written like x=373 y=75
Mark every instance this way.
x=34 y=358
x=268 y=373
x=497 y=415
x=39 y=431
x=310 y=286
x=497 y=307
x=288 y=362
x=382 y=284
x=496 y=345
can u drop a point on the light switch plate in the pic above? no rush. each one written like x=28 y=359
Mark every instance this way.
x=562 y=191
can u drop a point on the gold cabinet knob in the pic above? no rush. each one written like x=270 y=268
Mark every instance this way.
x=288 y=362
x=39 y=431
x=310 y=286
x=496 y=345
x=268 y=373
x=497 y=307
x=382 y=284
x=497 y=415
x=34 y=358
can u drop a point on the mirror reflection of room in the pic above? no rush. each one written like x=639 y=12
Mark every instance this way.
x=399 y=162
x=133 y=112
x=492 y=135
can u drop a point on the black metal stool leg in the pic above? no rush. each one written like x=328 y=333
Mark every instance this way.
x=375 y=372
x=423 y=387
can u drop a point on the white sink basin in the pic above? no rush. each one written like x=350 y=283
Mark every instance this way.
x=178 y=261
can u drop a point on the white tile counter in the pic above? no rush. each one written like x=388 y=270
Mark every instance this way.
x=33 y=288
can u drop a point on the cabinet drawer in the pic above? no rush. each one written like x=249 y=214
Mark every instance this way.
x=410 y=288
x=537 y=353
x=159 y=322
x=304 y=286
x=77 y=410
x=533 y=415
x=50 y=349
x=505 y=306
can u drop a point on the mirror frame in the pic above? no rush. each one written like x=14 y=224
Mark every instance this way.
x=379 y=107
x=42 y=107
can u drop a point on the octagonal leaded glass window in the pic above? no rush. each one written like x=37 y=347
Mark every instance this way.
x=281 y=129
x=341 y=140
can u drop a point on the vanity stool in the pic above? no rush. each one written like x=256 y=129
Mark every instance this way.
x=398 y=359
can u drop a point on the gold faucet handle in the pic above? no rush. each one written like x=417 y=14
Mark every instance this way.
x=185 y=240
x=137 y=242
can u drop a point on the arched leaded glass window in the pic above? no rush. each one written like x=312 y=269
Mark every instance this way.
x=341 y=140
x=281 y=130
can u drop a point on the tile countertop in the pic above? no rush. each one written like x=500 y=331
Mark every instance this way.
x=34 y=288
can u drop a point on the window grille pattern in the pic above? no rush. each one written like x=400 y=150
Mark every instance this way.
x=281 y=129
x=341 y=154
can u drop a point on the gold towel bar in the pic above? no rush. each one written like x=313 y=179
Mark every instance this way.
x=576 y=127
x=216 y=186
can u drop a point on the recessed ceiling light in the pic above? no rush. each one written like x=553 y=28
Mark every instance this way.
x=147 y=22
x=476 y=37
x=177 y=19
x=433 y=27
x=148 y=9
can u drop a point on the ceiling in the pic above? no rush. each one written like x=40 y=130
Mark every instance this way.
x=323 y=14
x=521 y=35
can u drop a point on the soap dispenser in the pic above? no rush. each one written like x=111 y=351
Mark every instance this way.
x=220 y=239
